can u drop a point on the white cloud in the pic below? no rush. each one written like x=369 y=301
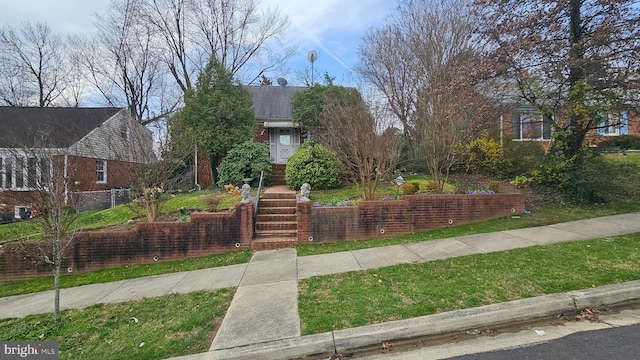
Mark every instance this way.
x=64 y=16
x=332 y=27
x=312 y=21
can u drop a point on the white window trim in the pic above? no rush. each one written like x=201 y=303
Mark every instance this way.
x=104 y=172
x=16 y=210
x=24 y=174
x=612 y=118
x=540 y=117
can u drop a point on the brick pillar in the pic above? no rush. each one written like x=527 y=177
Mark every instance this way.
x=304 y=221
x=246 y=223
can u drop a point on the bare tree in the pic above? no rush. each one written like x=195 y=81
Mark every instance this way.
x=45 y=171
x=371 y=149
x=422 y=60
x=33 y=69
x=123 y=63
x=386 y=61
x=237 y=32
x=234 y=33
x=152 y=182
x=453 y=114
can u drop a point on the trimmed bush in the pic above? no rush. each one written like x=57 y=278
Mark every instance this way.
x=484 y=155
x=494 y=186
x=245 y=160
x=522 y=157
x=623 y=142
x=317 y=165
x=408 y=189
x=431 y=187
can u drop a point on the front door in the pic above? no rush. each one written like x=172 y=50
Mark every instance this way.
x=284 y=142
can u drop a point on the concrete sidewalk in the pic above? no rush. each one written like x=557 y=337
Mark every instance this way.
x=262 y=320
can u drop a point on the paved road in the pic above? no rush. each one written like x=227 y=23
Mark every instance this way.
x=619 y=343
x=614 y=336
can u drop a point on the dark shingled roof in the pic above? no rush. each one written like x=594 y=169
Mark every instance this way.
x=30 y=127
x=272 y=102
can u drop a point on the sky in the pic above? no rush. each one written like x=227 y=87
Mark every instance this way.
x=333 y=28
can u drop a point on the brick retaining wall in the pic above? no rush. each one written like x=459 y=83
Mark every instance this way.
x=209 y=233
x=205 y=234
x=371 y=219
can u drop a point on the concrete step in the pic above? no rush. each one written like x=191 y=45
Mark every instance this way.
x=273 y=243
x=278 y=174
x=276 y=217
x=276 y=226
x=276 y=196
x=277 y=210
x=282 y=233
x=270 y=203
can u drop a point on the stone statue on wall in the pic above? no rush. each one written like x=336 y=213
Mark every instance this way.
x=304 y=192
x=245 y=194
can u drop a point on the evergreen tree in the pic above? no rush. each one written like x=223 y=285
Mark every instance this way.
x=218 y=114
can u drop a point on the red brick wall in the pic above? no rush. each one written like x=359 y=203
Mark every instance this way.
x=205 y=234
x=81 y=172
x=262 y=135
x=371 y=219
x=221 y=232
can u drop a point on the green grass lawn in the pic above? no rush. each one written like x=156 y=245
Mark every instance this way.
x=90 y=220
x=403 y=291
x=159 y=328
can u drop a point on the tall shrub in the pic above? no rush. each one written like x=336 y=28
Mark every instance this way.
x=314 y=164
x=245 y=160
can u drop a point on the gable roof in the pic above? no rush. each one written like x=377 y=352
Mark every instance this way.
x=54 y=127
x=272 y=102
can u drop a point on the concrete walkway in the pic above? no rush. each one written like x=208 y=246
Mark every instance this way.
x=262 y=320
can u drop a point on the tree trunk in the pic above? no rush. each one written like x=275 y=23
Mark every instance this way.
x=56 y=287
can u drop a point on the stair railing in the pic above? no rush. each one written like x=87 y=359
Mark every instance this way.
x=255 y=210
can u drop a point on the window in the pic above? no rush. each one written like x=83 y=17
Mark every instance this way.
x=101 y=171
x=32 y=174
x=22 y=212
x=45 y=172
x=8 y=174
x=285 y=137
x=614 y=124
x=19 y=166
x=124 y=132
x=530 y=125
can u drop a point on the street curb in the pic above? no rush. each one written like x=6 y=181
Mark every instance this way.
x=493 y=315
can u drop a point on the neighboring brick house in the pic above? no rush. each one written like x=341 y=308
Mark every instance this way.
x=272 y=109
x=92 y=148
x=525 y=123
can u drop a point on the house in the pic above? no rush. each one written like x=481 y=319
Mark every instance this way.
x=90 y=148
x=525 y=123
x=272 y=109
